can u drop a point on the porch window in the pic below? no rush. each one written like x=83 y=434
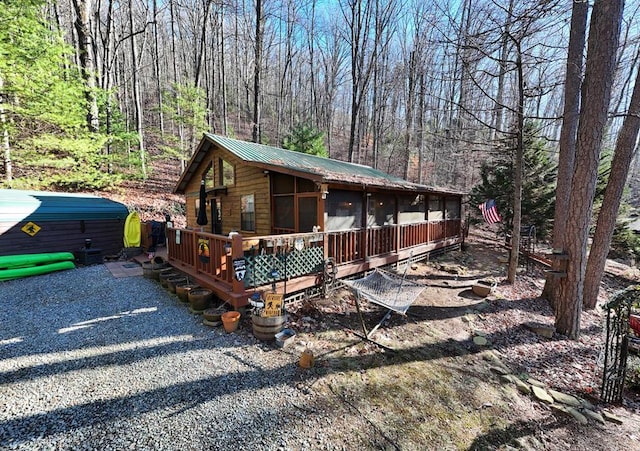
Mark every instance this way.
x=435 y=208
x=226 y=173
x=247 y=213
x=382 y=210
x=411 y=209
x=343 y=210
x=452 y=208
x=283 y=213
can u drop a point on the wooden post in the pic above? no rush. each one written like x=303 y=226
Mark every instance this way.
x=236 y=252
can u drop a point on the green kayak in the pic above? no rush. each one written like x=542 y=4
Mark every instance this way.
x=28 y=260
x=16 y=273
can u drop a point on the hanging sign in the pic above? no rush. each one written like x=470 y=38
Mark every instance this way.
x=299 y=244
x=203 y=250
x=31 y=228
x=239 y=268
x=272 y=305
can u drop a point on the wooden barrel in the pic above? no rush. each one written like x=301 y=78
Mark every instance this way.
x=266 y=328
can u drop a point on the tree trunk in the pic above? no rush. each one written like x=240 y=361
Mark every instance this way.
x=566 y=159
x=604 y=33
x=6 y=147
x=257 y=132
x=136 y=93
x=82 y=25
x=517 y=176
x=625 y=146
x=156 y=67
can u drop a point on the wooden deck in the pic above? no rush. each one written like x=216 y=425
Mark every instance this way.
x=295 y=262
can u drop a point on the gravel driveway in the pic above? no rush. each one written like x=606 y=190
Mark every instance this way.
x=89 y=361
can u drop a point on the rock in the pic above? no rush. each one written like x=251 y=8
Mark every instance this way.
x=593 y=415
x=522 y=386
x=535 y=382
x=540 y=329
x=499 y=370
x=480 y=341
x=480 y=333
x=564 y=398
x=506 y=379
x=541 y=394
x=575 y=413
x=611 y=417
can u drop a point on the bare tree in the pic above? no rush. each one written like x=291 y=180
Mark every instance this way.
x=620 y=165
x=603 y=41
x=570 y=116
x=83 y=9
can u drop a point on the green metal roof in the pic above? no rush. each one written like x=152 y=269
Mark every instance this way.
x=325 y=169
x=18 y=206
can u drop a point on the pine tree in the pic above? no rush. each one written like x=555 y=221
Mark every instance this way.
x=537 y=190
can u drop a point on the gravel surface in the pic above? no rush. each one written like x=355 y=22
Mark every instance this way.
x=89 y=361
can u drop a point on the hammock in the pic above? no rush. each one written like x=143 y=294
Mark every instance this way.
x=386 y=289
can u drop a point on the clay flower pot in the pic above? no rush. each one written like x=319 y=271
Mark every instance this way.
x=173 y=282
x=230 y=321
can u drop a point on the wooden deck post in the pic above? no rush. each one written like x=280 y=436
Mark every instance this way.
x=236 y=252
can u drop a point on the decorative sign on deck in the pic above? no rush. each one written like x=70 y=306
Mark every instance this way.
x=31 y=228
x=272 y=305
x=203 y=250
x=240 y=268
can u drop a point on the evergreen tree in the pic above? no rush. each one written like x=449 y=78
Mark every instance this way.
x=305 y=139
x=537 y=190
x=47 y=143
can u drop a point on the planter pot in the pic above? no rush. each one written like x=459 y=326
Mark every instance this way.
x=199 y=299
x=164 y=274
x=306 y=359
x=230 y=321
x=214 y=314
x=265 y=329
x=157 y=268
x=482 y=288
x=172 y=282
x=182 y=290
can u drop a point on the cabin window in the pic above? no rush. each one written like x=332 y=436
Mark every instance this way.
x=435 y=208
x=207 y=176
x=248 y=213
x=283 y=184
x=343 y=210
x=411 y=209
x=452 y=208
x=306 y=186
x=283 y=213
x=227 y=176
x=382 y=210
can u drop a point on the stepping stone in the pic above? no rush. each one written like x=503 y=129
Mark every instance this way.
x=564 y=398
x=611 y=417
x=575 y=413
x=535 y=382
x=593 y=415
x=540 y=329
x=480 y=341
x=541 y=394
x=522 y=387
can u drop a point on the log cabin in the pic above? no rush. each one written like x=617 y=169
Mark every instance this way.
x=284 y=220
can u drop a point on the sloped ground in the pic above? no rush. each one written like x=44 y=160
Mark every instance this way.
x=440 y=387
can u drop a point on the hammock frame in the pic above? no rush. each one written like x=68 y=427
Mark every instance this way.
x=386 y=289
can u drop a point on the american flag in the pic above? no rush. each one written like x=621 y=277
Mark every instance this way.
x=490 y=211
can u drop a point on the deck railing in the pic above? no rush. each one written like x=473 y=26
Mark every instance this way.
x=213 y=255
